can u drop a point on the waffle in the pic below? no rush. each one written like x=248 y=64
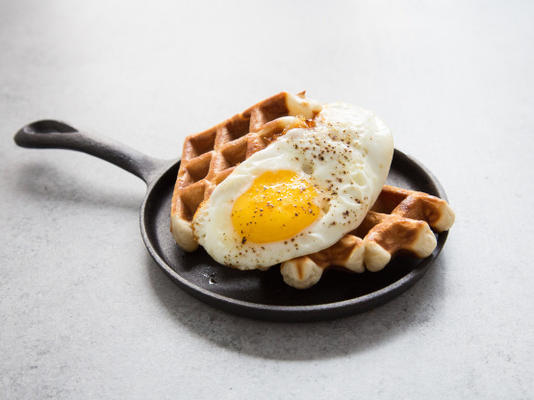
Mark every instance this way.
x=210 y=156
x=400 y=221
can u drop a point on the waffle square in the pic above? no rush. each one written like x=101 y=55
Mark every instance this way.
x=400 y=220
x=210 y=156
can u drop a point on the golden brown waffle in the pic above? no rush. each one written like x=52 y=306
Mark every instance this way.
x=210 y=156
x=400 y=220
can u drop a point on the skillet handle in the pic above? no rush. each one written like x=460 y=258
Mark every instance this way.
x=52 y=134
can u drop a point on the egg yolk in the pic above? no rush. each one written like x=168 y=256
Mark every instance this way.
x=277 y=206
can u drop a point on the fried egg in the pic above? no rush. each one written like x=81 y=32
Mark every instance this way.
x=299 y=195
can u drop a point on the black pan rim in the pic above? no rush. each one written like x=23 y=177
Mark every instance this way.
x=299 y=312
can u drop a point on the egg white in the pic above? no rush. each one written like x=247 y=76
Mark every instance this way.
x=346 y=156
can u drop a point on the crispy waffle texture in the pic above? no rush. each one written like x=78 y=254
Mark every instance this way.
x=400 y=221
x=210 y=156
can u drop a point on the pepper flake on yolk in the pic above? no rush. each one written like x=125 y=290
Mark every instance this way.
x=277 y=206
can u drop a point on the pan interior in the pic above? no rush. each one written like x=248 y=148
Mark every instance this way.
x=198 y=270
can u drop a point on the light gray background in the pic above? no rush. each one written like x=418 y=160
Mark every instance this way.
x=86 y=314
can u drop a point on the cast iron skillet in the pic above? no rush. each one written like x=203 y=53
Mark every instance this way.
x=255 y=294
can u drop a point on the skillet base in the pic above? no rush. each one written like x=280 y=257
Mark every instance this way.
x=264 y=295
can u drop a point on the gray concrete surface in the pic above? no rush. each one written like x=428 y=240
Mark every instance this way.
x=85 y=313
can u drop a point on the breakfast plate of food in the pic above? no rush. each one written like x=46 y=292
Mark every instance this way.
x=292 y=210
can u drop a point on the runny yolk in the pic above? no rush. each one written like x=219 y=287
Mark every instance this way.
x=277 y=206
